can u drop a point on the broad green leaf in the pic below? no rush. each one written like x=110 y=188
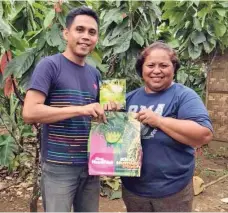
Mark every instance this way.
x=196 y=2
x=31 y=18
x=119 y=29
x=8 y=148
x=123 y=43
x=32 y=33
x=16 y=10
x=221 y=11
x=36 y=35
x=118 y=3
x=181 y=76
x=169 y=5
x=39 y=6
x=6 y=43
x=19 y=65
x=210 y=29
x=212 y=41
x=187 y=24
x=167 y=14
x=207 y=47
x=143 y=13
x=108 y=17
x=17 y=43
x=224 y=4
x=102 y=14
x=54 y=37
x=156 y=10
x=194 y=51
x=62 y=19
x=174 y=43
x=4 y=28
x=122 y=48
x=138 y=38
x=41 y=42
x=110 y=40
x=220 y=29
x=203 y=14
x=118 y=17
x=197 y=37
x=26 y=131
x=31 y=2
x=48 y=19
x=116 y=195
x=197 y=24
x=133 y=6
x=39 y=15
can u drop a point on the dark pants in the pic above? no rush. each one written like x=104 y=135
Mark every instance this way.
x=65 y=186
x=179 y=202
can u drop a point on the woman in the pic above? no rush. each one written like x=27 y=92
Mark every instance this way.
x=174 y=121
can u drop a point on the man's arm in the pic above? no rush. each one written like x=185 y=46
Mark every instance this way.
x=35 y=111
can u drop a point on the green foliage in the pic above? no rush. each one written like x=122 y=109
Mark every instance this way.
x=111 y=187
x=8 y=149
x=199 y=27
x=19 y=65
x=193 y=76
x=127 y=26
x=11 y=142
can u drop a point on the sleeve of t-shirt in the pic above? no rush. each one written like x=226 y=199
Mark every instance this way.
x=192 y=108
x=98 y=82
x=43 y=76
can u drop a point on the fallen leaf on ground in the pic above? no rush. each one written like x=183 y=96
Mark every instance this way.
x=198 y=185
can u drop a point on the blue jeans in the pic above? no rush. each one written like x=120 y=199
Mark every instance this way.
x=64 y=186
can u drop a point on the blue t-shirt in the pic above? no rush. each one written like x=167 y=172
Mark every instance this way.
x=65 y=83
x=167 y=165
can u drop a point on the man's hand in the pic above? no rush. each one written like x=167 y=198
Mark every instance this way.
x=149 y=117
x=95 y=110
x=111 y=106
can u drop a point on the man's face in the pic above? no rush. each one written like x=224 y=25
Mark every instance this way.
x=82 y=35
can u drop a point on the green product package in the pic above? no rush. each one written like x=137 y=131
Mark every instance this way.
x=113 y=90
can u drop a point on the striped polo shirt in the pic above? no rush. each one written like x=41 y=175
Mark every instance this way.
x=66 y=84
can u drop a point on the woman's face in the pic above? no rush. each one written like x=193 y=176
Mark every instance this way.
x=157 y=70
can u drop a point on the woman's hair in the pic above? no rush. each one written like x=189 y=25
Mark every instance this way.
x=157 y=45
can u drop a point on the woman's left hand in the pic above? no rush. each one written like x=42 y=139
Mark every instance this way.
x=149 y=117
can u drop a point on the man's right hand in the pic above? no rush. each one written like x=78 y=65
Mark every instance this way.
x=95 y=110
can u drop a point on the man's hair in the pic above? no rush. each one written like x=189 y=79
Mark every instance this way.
x=157 y=45
x=80 y=11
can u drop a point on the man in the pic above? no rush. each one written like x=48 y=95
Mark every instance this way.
x=63 y=95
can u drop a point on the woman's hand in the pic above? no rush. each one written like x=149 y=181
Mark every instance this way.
x=149 y=117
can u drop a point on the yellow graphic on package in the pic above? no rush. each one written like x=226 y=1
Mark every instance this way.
x=113 y=90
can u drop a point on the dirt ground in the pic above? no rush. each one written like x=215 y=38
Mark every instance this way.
x=210 y=166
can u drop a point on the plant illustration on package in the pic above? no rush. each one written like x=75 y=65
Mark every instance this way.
x=113 y=90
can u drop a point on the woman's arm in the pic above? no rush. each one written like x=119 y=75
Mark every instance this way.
x=184 y=131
